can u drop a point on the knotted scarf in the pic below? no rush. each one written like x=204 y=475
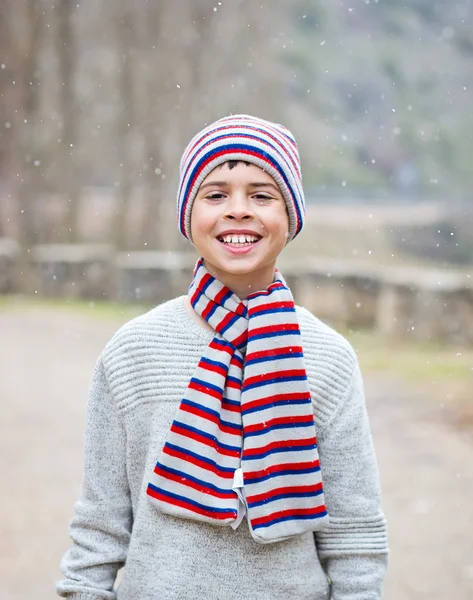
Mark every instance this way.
x=243 y=438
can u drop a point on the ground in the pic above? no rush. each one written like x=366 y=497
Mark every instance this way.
x=46 y=359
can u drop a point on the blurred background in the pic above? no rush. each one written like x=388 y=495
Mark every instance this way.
x=98 y=100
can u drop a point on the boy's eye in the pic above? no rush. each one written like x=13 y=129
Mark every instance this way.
x=214 y=196
x=263 y=197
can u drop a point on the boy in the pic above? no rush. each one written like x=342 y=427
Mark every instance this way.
x=228 y=452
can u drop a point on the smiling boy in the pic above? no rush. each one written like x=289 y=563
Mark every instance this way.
x=228 y=450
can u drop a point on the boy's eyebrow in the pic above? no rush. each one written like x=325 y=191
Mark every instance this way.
x=265 y=184
x=210 y=183
x=254 y=184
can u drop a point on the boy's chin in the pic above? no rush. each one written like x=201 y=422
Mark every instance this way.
x=241 y=266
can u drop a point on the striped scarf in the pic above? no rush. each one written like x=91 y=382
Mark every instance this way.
x=243 y=439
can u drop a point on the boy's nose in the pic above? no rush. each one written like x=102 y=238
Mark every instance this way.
x=238 y=208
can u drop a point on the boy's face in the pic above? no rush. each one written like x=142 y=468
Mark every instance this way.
x=240 y=225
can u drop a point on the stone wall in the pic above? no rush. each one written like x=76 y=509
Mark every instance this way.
x=152 y=277
x=342 y=292
x=426 y=305
x=74 y=270
x=420 y=304
x=9 y=261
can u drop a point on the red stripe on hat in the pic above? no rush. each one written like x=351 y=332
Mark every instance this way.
x=254 y=124
x=281 y=130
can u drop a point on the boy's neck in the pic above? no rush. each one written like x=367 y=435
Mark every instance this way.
x=196 y=317
x=247 y=283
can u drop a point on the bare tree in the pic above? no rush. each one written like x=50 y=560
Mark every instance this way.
x=151 y=116
x=125 y=32
x=28 y=30
x=67 y=55
x=6 y=108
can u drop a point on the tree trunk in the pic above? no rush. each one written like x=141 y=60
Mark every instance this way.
x=68 y=109
x=6 y=111
x=126 y=121
x=152 y=114
x=29 y=46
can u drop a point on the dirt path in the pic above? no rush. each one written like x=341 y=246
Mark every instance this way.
x=46 y=360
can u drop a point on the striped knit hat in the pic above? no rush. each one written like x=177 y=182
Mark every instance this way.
x=267 y=145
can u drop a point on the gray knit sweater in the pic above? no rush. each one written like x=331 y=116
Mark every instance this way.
x=138 y=383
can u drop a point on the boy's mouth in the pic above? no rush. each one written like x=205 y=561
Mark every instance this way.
x=239 y=240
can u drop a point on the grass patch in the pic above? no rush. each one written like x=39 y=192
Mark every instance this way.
x=101 y=309
x=441 y=375
x=413 y=361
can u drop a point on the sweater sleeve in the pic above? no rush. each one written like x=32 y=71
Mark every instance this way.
x=353 y=549
x=100 y=529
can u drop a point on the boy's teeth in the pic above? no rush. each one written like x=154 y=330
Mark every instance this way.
x=239 y=239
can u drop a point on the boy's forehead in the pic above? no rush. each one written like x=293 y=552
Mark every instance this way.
x=238 y=170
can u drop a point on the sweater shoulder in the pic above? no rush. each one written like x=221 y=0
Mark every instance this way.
x=320 y=337
x=330 y=362
x=141 y=334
